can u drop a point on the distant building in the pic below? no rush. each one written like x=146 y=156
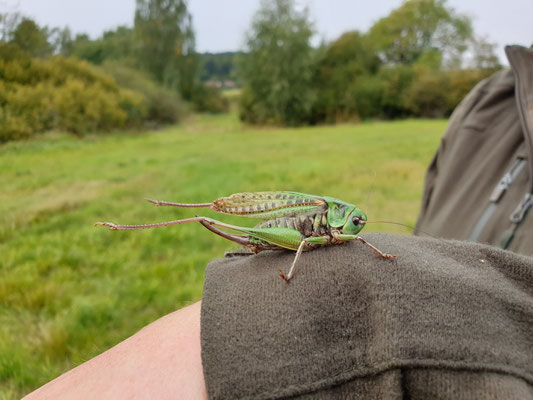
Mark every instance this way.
x=215 y=84
x=228 y=84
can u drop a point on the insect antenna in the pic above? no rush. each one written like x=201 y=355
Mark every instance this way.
x=398 y=223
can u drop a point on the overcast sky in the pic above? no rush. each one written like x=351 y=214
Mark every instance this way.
x=220 y=25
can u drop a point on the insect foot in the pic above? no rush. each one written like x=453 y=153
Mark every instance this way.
x=284 y=277
x=111 y=226
x=387 y=256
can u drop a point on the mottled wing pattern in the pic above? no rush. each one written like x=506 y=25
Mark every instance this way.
x=267 y=205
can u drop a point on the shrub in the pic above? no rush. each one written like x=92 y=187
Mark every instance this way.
x=426 y=96
x=396 y=80
x=367 y=96
x=209 y=99
x=57 y=93
x=163 y=105
x=337 y=77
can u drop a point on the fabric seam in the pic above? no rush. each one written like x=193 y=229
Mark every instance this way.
x=412 y=363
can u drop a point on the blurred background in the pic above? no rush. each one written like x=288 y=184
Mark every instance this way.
x=104 y=103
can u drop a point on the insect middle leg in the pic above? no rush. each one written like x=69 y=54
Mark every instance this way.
x=306 y=242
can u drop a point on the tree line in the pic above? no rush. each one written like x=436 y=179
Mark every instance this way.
x=419 y=61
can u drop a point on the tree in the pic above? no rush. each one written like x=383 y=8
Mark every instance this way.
x=419 y=26
x=62 y=41
x=8 y=23
x=217 y=66
x=345 y=64
x=277 y=70
x=115 y=44
x=165 y=43
x=31 y=38
x=483 y=54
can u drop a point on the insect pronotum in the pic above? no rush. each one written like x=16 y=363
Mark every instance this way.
x=291 y=220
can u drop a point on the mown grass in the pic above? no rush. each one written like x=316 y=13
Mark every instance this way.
x=69 y=291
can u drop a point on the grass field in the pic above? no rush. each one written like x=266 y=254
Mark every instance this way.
x=69 y=291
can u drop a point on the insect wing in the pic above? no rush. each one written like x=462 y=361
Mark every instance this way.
x=267 y=205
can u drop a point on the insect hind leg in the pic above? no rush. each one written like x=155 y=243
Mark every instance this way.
x=115 y=227
x=240 y=239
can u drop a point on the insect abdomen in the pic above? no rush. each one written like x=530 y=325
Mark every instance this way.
x=309 y=225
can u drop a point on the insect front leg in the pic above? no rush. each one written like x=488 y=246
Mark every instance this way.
x=306 y=242
x=344 y=237
x=386 y=256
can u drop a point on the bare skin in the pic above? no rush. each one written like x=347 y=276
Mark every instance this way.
x=161 y=361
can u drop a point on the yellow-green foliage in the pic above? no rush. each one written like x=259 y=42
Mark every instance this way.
x=60 y=93
x=395 y=92
x=163 y=105
x=69 y=290
x=461 y=82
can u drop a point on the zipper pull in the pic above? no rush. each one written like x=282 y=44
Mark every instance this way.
x=500 y=189
x=518 y=215
x=506 y=180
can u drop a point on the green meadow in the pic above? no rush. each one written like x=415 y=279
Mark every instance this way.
x=69 y=290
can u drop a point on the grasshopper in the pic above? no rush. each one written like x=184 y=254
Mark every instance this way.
x=291 y=220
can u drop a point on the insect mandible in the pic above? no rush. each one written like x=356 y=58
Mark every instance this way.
x=291 y=220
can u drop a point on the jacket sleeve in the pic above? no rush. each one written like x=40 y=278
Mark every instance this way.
x=443 y=318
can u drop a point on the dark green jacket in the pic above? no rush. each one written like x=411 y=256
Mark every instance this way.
x=479 y=185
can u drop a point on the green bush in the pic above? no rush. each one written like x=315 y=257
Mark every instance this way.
x=249 y=110
x=367 y=96
x=209 y=99
x=396 y=81
x=37 y=95
x=163 y=105
x=426 y=96
x=337 y=78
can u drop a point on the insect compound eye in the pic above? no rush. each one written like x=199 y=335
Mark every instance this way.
x=356 y=220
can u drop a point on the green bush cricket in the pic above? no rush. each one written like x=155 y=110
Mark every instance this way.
x=291 y=220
